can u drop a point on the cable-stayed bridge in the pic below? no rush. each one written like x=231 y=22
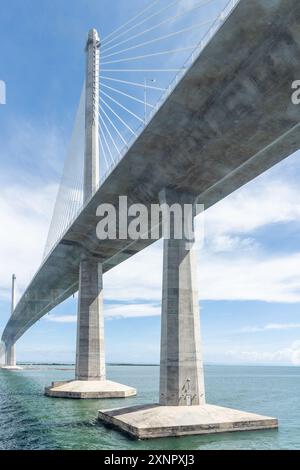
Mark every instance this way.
x=224 y=118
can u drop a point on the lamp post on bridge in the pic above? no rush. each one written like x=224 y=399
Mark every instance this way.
x=90 y=374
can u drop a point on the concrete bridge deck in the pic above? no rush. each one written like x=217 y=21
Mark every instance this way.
x=228 y=120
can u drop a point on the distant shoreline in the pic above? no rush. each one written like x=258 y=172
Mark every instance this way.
x=129 y=364
x=29 y=363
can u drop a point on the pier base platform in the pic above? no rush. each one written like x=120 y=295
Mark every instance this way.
x=152 y=421
x=89 y=389
x=11 y=367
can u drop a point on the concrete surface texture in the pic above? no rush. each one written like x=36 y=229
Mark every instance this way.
x=90 y=354
x=91 y=153
x=152 y=421
x=10 y=355
x=181 y=367
x=89 y=389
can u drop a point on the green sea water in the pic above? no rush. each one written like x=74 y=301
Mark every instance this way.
x=29 y=420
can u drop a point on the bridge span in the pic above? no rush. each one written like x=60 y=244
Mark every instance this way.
x=229 y=119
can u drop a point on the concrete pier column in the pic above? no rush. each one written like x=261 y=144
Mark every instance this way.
x=10 y=355
x=2 y=354
x=10 y=349
x=181 y=367
x=90 y=353
x=182 y=409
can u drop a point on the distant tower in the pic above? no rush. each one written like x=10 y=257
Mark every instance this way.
x=10 y=359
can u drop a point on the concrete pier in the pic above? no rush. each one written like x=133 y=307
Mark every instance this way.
x=10 y=348
x=10 y=358
x=182 y=409
x=90 y=354
x=10 y=355
x=153 y=421
x=90 y=377
x=181 y=368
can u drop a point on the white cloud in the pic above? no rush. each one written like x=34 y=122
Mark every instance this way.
x=24 y=217
x=268 y=200
x=114 y=311
x=232 y=265
x=271 y=326
x=132 y=310
x=241 y=273
x=138 y=279
x=288 y=355
x=252 y=276
x=61 y=318
x=27 y=195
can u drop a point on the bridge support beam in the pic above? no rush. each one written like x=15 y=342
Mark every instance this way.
x=90 y=354
x=10 y=356
x=182 y=409
x=181 y=367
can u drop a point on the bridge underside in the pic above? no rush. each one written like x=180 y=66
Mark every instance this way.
x=229 y=119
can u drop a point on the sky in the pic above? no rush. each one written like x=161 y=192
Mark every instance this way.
x=249 y=264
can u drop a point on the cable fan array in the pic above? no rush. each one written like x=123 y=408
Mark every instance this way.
x=69 y=197
x=139 y=71
x=141 y=62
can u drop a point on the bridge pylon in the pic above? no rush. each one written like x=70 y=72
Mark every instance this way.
x=90 y=375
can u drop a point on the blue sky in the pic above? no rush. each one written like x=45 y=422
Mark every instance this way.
x=249 y=266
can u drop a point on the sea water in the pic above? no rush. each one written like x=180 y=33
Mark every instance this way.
x=29 y=420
